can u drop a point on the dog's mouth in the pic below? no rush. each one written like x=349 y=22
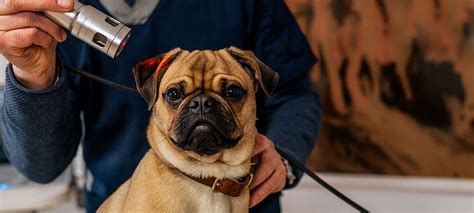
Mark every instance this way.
x=205 y=138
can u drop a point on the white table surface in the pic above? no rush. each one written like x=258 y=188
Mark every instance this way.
x=23 y=195
x=383 y=194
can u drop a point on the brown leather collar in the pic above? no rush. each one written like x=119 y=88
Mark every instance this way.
x=228 y=187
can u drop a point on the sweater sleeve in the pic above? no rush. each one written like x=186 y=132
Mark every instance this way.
x=40 y=129
x=291 y=117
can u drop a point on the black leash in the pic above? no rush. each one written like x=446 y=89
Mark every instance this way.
x=297 y=164
x=100 y=79
x=321 y=182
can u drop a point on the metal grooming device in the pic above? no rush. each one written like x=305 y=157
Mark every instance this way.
x=97 y=29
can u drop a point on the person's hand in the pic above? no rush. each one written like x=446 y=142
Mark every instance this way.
x=270 y=173
x=28 y=39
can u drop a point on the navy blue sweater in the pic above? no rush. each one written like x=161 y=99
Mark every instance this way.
x=42 y=129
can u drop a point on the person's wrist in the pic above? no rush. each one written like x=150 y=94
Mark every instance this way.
x=290 y=175
x=36 y=81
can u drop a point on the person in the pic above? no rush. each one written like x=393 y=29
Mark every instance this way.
x=43 y=103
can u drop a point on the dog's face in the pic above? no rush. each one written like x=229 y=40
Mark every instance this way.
x=203 y=103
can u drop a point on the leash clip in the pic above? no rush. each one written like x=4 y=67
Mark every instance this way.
x=216 y=184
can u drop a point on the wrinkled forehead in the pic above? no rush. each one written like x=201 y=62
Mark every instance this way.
x=203 y=69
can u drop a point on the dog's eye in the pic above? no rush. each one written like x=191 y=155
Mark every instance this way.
x=174 y=95
x=233 y=92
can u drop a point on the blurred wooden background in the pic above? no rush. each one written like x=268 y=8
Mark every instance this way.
x=397 y=83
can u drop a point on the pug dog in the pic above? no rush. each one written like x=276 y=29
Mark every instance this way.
x=201 y=132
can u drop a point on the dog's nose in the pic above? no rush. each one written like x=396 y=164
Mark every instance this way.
x=202 y=103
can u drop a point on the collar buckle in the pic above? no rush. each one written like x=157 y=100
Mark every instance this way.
x=216 y=184
x=250 y=179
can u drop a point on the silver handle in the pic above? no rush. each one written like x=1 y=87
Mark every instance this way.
x=90 y=25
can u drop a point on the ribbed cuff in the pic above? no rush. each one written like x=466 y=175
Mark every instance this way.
x=57 y=84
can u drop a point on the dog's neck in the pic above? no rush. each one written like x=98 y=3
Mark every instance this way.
x=230 y=187
x=192 y=167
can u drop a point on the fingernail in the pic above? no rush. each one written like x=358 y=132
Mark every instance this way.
x=2 y=1
x=65 y=3
x=63 y=36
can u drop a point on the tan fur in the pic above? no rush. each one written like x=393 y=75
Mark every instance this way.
x=157 y=185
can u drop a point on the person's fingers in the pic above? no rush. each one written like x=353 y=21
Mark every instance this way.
x=23 y=38
x=32 y=19
x=14 y=6
x=264 y=169
x=280 y=171
x=270 y=174
x=260 y=193
x=261 y=143
x=27 y=39
x=271 y=185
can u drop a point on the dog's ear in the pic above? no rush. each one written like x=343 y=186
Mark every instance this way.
x=148 y=75
x=266 y=76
